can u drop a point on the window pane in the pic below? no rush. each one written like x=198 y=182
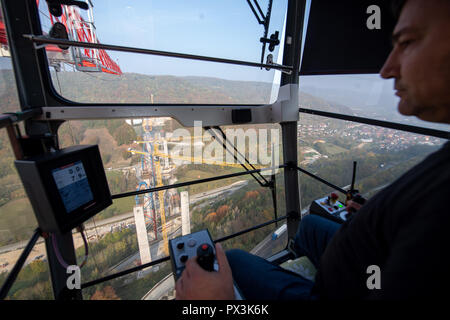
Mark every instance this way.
x=150 y=152
x=8 y=92
x=328 y=147
x=220 y=29
x=364 y=95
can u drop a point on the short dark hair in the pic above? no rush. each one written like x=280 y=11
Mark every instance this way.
x=396 y=7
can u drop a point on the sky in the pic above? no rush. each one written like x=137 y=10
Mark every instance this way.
x=224 y=29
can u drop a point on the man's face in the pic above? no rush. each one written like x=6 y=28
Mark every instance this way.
x=420 y=60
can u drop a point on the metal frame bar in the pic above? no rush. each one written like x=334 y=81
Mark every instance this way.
x=381 y=123
x=9 y=118
x=323 y=181
x=210 y=115
x=188 y=183
x=19 y=264
x=292 y=53
x=38 y=39
x=254 y=12
x=224 y=145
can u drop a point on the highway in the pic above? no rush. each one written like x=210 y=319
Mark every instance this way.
x=218 y=191
x=266 y=247
x=88 y=226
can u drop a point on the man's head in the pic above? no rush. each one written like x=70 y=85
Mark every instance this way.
x=420 y=59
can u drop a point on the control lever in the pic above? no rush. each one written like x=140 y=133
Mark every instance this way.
x=184 y=247
x=205 y=257
x=353 y=194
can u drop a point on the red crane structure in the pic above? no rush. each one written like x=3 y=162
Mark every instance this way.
x=78 y=29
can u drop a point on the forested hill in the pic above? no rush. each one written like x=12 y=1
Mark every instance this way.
x=137 y=88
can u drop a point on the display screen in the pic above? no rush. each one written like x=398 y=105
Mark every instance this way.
x=73 y=185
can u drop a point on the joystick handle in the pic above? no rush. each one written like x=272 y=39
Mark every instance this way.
x=205 y=257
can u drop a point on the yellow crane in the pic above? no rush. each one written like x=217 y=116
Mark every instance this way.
x=194 y=160
x=161 y=206
x=177 y=139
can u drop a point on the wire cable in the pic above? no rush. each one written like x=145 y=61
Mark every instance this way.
x=61 y=260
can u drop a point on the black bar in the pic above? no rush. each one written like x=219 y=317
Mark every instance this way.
x=267 y=17
x=224 y=137
x=47 y=40
x=273 y=189
x=259 y=9
x=131 y=270
x=292 y=54
x=322 y=180
x=254 y=12
x=224 y=146
x=7 y=118
x=19 y=264
x=188 y=183
x=123 y=273
x=386 y=124
x=353 y=176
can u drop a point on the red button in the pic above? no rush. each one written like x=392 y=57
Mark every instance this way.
x=330 y=209
x=204 y=247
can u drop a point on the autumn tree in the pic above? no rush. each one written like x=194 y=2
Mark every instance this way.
x=107 y=293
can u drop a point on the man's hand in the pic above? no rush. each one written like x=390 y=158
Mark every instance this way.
x=353 y=206
x=198 y=284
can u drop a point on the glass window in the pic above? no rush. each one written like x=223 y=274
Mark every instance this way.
x=328 y=147
x=363 y=95
x=220 y=29
x=9 y=101
x=145 y=153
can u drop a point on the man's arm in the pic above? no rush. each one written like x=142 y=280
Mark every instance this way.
x=196 y=283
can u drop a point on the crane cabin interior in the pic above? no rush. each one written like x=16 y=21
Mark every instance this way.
x=126 y=125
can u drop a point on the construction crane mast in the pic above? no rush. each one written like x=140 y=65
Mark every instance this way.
x=70 y=25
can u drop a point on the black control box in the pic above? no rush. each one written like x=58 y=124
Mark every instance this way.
x=330 y=208
x=65 y=187
x=197 y=244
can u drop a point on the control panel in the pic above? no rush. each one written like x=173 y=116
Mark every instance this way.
x=65 y=187
x=198 y=244
x=329 y=207
x=195 y=244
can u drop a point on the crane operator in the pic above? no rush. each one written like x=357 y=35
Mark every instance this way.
x=402 y=230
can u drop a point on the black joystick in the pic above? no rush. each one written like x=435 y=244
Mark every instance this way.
x=358 y=199
x=205 y=257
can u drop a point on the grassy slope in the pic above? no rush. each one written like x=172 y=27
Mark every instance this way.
x=18 y=219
